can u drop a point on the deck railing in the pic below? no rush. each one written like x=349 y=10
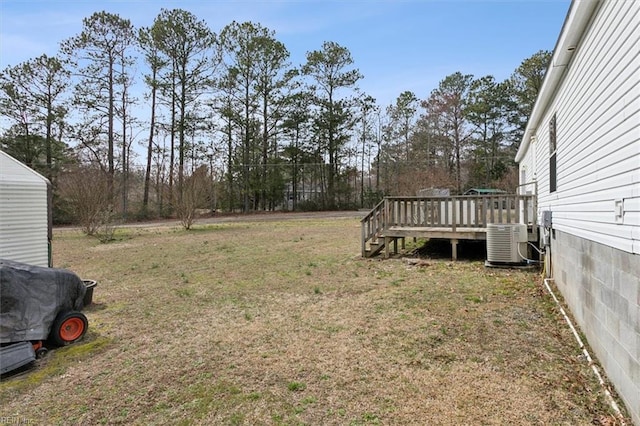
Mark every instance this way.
x=453 y=213
x=372 y=224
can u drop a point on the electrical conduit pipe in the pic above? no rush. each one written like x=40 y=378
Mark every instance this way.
x=608 y=395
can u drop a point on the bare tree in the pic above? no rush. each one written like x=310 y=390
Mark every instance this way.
x=195 y=188
x=86 y=189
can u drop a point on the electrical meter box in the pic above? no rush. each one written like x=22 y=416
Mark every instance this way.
x=545 y=219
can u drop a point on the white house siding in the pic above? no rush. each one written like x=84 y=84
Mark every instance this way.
x=24 y=220
x=595 y=256
x=598 y=133
x=528 y=175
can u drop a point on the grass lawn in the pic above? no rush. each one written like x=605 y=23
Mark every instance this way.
x=282 y=322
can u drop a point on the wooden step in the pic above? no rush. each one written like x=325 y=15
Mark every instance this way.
x=375 y=248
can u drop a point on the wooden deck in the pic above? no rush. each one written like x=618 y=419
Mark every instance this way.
x=451 y=218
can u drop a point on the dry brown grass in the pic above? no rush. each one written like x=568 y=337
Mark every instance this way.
x=282 y=322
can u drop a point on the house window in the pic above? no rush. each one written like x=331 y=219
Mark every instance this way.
x=552 y=155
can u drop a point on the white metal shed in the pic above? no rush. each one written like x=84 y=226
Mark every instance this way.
x=25 y=214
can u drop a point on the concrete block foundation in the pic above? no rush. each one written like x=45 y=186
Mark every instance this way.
x=601 y=286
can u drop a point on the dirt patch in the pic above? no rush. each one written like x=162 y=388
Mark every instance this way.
x=281 y=322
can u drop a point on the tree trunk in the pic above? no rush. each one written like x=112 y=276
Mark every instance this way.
x=48 y=141
x=265 y=153
x=152 y=127
x=125 y=169
x=230 y=165
x=110 y=135
x=172 y=155
x=181 y=127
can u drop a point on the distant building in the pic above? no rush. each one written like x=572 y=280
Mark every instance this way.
x=433 y=192
x=484 y=191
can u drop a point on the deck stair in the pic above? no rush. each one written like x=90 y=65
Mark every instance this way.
x=453 y=218
x=374 y=240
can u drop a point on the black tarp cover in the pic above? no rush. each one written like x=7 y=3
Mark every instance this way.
x=32 y=296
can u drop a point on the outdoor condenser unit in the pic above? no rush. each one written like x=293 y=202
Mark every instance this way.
x=504 y=241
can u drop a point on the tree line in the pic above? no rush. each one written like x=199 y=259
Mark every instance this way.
x=231 y=124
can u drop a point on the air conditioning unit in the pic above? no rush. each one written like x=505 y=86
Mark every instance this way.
x=506 y=242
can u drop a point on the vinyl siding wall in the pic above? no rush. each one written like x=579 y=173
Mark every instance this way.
x=598 y=133
x=528 y=170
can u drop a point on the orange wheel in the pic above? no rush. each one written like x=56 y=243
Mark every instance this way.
x=72 y=329
x=68 y=327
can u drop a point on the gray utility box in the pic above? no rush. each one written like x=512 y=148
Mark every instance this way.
x=15 y=356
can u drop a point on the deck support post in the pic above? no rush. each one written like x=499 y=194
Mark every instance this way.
x=454 y=249
x=387 y=241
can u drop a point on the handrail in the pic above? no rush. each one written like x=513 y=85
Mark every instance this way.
x=373 y=210
x=372 y=224
x=462 y=211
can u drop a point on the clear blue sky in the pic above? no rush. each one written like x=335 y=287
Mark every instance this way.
x=396 y=44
